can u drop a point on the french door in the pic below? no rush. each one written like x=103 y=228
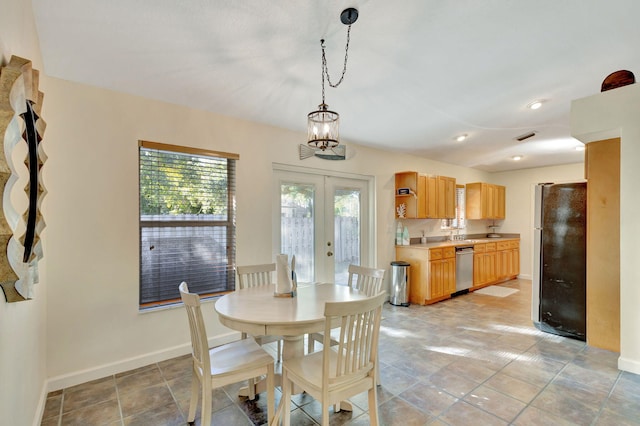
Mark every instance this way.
x=324 y=220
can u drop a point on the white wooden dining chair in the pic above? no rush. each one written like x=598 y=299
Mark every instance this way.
x=222 y=365
x=341 y=371
x=367 y=280
x=254 y=275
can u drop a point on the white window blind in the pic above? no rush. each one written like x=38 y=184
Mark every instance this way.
x=187 y=222
x=460 y=220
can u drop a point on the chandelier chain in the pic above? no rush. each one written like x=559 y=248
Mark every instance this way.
x=325 y=69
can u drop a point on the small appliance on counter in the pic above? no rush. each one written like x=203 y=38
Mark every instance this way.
x=492 y=234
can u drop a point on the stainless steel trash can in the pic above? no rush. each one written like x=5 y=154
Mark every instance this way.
x=399 y=283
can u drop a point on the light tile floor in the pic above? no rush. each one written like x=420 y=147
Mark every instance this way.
x=471 y=360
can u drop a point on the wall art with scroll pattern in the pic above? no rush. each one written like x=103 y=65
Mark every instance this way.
x=20 y=244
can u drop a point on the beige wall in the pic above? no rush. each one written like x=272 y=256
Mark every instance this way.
x=603 y=116
x=22 y=325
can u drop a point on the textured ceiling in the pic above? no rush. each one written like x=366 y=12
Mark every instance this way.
x=420 y=72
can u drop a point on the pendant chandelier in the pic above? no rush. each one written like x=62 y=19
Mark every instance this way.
x=323 y=124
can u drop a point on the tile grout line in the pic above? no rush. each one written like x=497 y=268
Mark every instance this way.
x=545 y=387
x=615 y=383
x=61 y=408
x=528 y=404
x=115 y=385
x=175 y=400
x=505 y=366
x=497 y=372
x=235 y=404
x=551 y=381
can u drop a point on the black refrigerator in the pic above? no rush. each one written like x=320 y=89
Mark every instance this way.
x=559 y=267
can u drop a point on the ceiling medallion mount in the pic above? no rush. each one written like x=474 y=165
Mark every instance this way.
x=349 y=16
x=323 y=124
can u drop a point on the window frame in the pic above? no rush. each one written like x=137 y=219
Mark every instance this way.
x=460 y=221
x=228 y=223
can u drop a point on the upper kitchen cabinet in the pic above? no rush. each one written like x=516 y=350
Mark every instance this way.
x=421 y=196
x=446 y=204
x=485 y=201
x=410 y=193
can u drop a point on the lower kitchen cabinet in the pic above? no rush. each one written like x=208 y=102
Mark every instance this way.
x=442 y=278
x=508 y=260
x=495 y=262
x=484 y=267
x=432 y=270
x=432 y=273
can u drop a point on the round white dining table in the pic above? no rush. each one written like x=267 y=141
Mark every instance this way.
x=258 y=312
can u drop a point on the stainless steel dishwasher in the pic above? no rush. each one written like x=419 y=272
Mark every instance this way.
x=464 y=268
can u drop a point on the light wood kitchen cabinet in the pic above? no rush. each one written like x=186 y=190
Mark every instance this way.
x=485 y=201
x=495 y=262
x=484 y=264
x=501 y=201
x=413 y=201
x=432 y=273
x=602 y=170
x=442 y=273
x=430 y=197
x=515 y=265
x=508 y=260
x=446 y=197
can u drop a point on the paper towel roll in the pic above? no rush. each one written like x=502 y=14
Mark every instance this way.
x=283 y=272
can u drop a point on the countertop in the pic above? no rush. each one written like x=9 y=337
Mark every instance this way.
x=458 y=243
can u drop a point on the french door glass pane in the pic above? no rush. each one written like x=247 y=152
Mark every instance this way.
x=346 y=204
x=297 y=227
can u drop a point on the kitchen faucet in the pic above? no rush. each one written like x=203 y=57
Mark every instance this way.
x=456 y=237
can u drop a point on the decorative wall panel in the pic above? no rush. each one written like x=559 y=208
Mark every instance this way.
x=20 y=229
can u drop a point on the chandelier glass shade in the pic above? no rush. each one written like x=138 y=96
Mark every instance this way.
x=323 y=128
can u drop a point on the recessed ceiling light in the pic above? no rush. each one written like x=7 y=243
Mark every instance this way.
x=461 y=137
x=580 y=148
x=516 y=157
x=535 y=104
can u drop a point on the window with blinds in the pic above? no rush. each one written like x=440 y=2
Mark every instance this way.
x=459 y=222
x=187 y=222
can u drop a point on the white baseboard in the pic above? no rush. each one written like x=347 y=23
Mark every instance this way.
x=630 y=365
x=41 y=403
x=100 y=371
x=525 y=276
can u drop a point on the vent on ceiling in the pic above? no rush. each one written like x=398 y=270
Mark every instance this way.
x=525 y=136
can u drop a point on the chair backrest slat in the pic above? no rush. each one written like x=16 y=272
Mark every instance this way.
x=255 y=275
x=368 y=280
x=358 y=342
x=199 y=342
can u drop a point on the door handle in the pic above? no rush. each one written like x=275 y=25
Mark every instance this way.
x=329 y=253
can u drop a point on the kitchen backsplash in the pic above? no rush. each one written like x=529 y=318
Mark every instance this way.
x=431 y=227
